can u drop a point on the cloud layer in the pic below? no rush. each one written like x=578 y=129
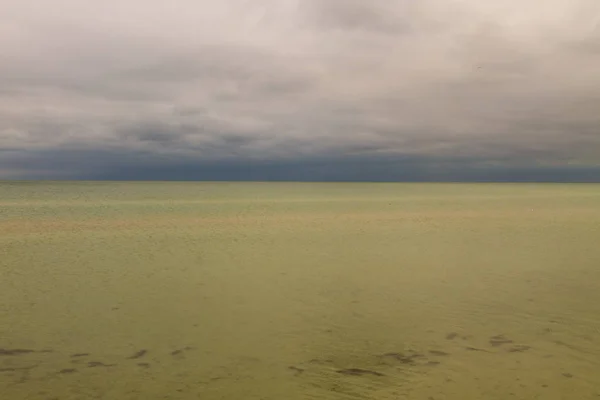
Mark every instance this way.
x=303 y=89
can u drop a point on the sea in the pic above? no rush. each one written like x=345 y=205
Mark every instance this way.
x=273 y=291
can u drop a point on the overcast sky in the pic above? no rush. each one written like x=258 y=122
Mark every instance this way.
x=300 y=89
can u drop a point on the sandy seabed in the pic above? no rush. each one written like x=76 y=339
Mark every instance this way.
x=299 y=291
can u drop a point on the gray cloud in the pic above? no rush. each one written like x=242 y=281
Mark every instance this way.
x=373 y=17
x=475 y=88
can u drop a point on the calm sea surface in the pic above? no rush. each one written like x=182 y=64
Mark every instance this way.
x=299 y=291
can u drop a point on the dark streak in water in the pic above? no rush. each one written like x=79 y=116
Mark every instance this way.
x=180 y=351
x=297 y=371
x=93 y=364
x=358 y=372
x=138 y=354
x=438 y=353
x=499 y=340
x=67 y=371
x=15 y=352
x=477 y=349
x=518 y=349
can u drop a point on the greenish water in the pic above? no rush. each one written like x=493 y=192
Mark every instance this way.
x=299 y=291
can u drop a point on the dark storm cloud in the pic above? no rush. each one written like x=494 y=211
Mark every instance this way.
x=116 y=165
x=323 y=90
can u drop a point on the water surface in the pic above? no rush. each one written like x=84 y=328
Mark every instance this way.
x=299 y=291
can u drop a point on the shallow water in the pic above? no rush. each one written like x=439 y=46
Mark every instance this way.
x=299 y=291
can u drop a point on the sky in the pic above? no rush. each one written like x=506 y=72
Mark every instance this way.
x=308 y=90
